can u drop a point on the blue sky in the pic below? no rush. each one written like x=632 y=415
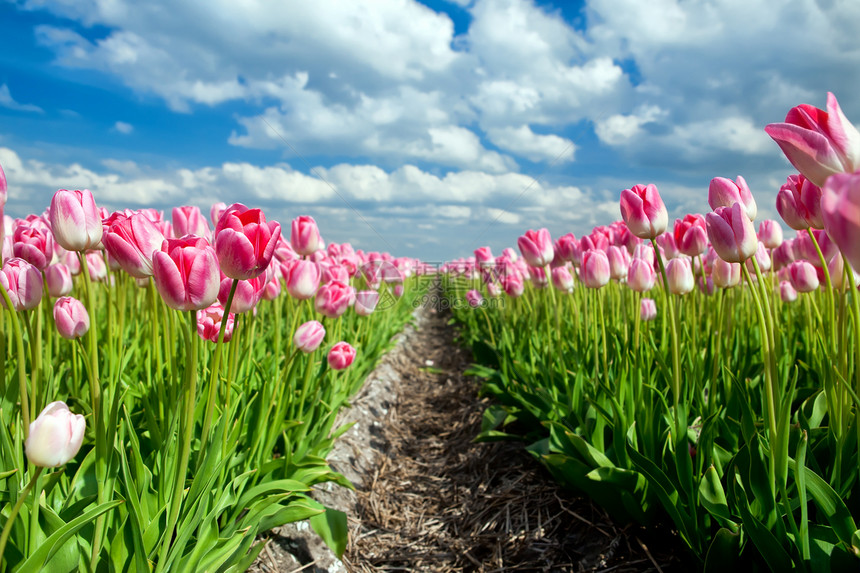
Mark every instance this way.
x=423 y=128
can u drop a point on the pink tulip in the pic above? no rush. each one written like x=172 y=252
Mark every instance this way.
x=309 y=336
x=804 y=278
x=725 y=274
x=131 y=242
x=96 y=266
x=303 y=279
x=643 y=211
x=474 y=298
x=538 y=277
x=536 y=247
x=332 y=299
x=761 y=257
x=23 y=283
x=840 y=206
x=513 y=285
x=641 y=276
x=272 y=290
x=595 y=269
x=484 y=256
x=799 y=203
x=334 y=273
x=71 y=317
x=787 y=292
x=245 y=242
x=644 y=251
x=566 y=247
x=188 y=220
x=248 y=293
x=818 y=143
x=3 y=187
x=707 y=287
x=33 y=243
x=493 y=290
x=666 y=241
x=679 y=276
x=186 y=273
x=216 y=211
x=55 y=436
x=691 y=235
x=562 y=279
x=305 y=236
x=59 y=279
x=783 y=255
x=619 y=261
x=75 y=220
x=341 y=356
x=365 y=302
x=731 y=233
x=647 y=309
x=770 y=233
x=209 y=322
x=724 y=192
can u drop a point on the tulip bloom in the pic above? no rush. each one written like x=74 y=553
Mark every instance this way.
x=840 y=206
x=787 y=292
x=309 y=336
x=566 y=247
x=341 y=356
x=818 y=143
x=726 y=275
x=245 y=242
x=188 y=220
x=536 y=247
x=248 y=293
x=691 y=235
x=305 y=236
x=55 y=436
x=96 y=266
x=731 y=233
x=71 y=317
x=679 y=276
x=474 y=298
x=23 y=283
x=303 y=279
x=33 y=243
x=561 y=279
x=332 y=299
x=643 y=211
x=804 y=277
x=647 y=309
x=641 y=276
x=75 y=220
x=724 y=192
x=209 y=322
x=186 y=273
x=770 y=233
x=595 y=270
x=484 y=256
x=513 y=285
x=619 y=261
x=798 y=202
x=59 y=279
x=131 y=242
x=333 y=273
x=365 y=302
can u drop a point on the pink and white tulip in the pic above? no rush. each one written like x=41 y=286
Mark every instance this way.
x=71 y=317
x=55 y=436
x=75 y=220
x=643 y=211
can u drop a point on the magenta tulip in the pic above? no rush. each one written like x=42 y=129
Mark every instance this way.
x=71 y=317
x=23 y=283
x=55 y=436
x=59 y=279
x=798 y=202
x=484 y=257
x=341 y=356
x=818 y=143
x=566 y=247
x=131 y=242
x=245 y=242
x=595 y=270
x=643 y=211
x=33 y=243
x=209 y=322
x=731 y=233
x=536 y=247
x=305 y=236
x=724 y=192
x=691 y=235
x=840 y=206
x=309 y=336
x=248 y=293
x=332 y=299
x=186 y=273
x=647 y=309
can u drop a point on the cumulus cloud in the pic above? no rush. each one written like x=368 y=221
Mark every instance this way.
x=123 y=127
x=620 y=129
x=7 y=101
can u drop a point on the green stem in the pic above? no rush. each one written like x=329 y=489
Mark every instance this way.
x=7 y=529
x=22 y=361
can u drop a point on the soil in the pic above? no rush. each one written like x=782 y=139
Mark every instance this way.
x=428 y=499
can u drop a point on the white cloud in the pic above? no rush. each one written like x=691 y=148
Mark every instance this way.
x=620 y=129
x=123 y=127
x=523 y=141
x=7 y=101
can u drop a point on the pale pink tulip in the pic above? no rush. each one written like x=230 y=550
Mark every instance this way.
x=770 y=233
x=641 y=276
x=71 y=317
x=188 y=220
x=55 y=436
x=804 y=278
x=23 y=283
x=75 y=220
x=643 y=211
x=562 y=279
x=595 y=270
x=787 y=292
x=647 y=309
x=305 y=236
x=209 y=322
x=332 y=299
x=724 y=192
x=731 y=233
x=840 y=206
x=59 y=279
x=303 y=279
x=679 y=276
x=309 y=336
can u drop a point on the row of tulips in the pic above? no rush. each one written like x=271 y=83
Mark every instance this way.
x=708 y=373
x=168 y=392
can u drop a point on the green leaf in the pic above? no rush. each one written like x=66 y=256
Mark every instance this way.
x=713 y=498
x=724 y=552
x=774 y=554
x=829 y=502
x=332 y=527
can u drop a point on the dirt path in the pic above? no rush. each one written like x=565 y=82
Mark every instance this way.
x=428 y=499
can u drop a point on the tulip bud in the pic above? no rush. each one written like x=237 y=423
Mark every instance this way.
x=305 y=236
x=619 y=261
x=691 y=235
x=770 y=233
x=804 y=278
x=818 y=143
x=679 y=276
x=23 y=283
x=566 y=246
x=562 y=279
x=787 y=292
x=131 y=242
x=59 y=279
x=55 y=436
x=75 y=220
x=71 y=317
x=309 y=336
x=248 y=293
x=513 y=285
x=484 y=256
x=341 y=356
x=641 y=275
x=731 y=233
x=761 y=257
x=595 y=269
x=474 y=298
x=365 y=302
x=799 y=203
x=188 y=220
x=724 y=192
x=726 y=275
x=536 y=247
x=303 y=279
x=33 y=243
x=96 y=266
x=643 y=211
x=647 y=309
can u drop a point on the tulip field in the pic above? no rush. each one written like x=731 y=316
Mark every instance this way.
x=169 y=388
x=705 y=375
